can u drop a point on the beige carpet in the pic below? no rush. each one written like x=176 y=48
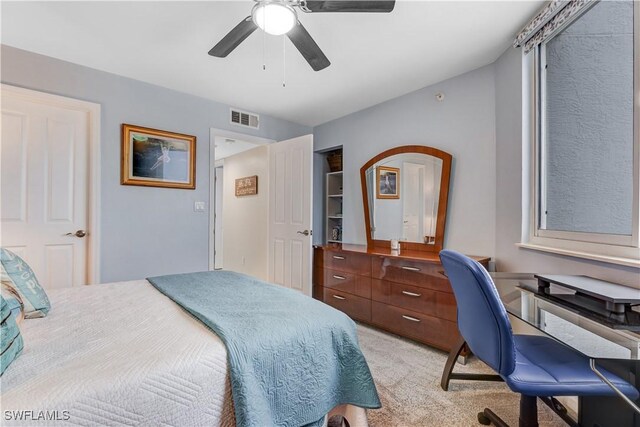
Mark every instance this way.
x=407 y=376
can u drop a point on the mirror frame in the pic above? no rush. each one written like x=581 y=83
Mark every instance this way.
x=442 y=202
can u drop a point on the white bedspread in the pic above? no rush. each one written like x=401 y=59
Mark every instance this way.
x=122 y=354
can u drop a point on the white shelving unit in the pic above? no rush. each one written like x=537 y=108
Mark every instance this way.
x=333 y=213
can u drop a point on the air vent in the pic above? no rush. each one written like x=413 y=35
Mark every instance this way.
x=245 y=119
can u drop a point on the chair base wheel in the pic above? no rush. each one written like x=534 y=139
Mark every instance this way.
x=483 y=419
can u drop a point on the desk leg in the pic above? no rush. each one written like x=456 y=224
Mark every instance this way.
x=448 y=374
x=560 y=410
x=592 y=365
x=611 y=411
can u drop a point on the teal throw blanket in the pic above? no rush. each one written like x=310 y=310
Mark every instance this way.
x=292 y=359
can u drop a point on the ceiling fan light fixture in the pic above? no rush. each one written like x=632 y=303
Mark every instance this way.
x=274 y=18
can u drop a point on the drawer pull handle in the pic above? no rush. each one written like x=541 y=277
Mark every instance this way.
x=411 y=294
x=413 y=319
x=339 y=277
x=339 y=297
x=404 y=267
x=338 y=257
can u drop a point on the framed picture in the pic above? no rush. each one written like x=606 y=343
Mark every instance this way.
x=247 y=186
x=388 y=180
x=157 y=158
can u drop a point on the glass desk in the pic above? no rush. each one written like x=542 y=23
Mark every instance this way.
x=609 y=343
x=588 y=332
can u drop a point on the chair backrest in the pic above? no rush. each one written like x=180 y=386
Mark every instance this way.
x=482 y=318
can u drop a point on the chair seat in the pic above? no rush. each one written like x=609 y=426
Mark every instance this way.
x=545 y=367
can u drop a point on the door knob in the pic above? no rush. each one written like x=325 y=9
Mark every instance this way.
x=305 y=232
x=79 y=233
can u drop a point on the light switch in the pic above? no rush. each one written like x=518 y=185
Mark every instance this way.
x=199 y=206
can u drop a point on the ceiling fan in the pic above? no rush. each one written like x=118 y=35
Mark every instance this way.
x=279 y=17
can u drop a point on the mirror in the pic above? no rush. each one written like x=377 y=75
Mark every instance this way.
x=405 y=193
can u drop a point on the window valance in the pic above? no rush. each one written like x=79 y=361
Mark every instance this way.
x=553 y=16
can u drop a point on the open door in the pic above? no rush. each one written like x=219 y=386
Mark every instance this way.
x=290 y=213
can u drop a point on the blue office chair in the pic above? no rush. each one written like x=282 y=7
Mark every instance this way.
x=534 y=366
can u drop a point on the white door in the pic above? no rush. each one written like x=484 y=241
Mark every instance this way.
x=412 y=209
x=218 y=222
x=44 y=188
x=290 y=212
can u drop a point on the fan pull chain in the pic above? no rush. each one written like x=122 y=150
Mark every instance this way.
x=264 y=43
x=264 y=51
x=284 y=61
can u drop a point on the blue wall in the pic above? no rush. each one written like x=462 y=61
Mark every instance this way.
x=462 y=125
x=144 y=231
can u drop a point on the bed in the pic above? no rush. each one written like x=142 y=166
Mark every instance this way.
x=122 y=354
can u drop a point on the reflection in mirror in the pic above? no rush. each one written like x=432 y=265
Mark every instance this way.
x=403 y=192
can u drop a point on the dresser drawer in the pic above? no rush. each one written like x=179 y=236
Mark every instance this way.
x=355 y=307
x=348 y=262
x=421 y=327
x=348 y=282
x=423 y=300
x=410 y=272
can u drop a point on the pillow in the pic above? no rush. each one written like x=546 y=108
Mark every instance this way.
x=12 y=297
x=17 y=274
x=11 y=343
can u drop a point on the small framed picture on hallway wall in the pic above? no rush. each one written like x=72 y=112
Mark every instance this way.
x=157 y=158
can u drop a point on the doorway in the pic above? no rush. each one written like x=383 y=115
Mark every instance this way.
x=265 y=233
x=223 y=145
x=218 y=229
x=412 y=207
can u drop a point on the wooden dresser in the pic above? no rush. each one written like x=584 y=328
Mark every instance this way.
x=407 y=294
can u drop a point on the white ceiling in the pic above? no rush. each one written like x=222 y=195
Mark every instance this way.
x=374 y=57
x=227 y=147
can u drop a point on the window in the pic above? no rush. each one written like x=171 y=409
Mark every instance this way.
x=585 y=134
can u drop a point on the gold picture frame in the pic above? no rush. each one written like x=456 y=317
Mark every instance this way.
x=157 y=158
x=387 y=182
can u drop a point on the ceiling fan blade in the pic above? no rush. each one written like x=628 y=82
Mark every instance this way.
x=309 y=49
x=234 y=38
x=372 y=6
